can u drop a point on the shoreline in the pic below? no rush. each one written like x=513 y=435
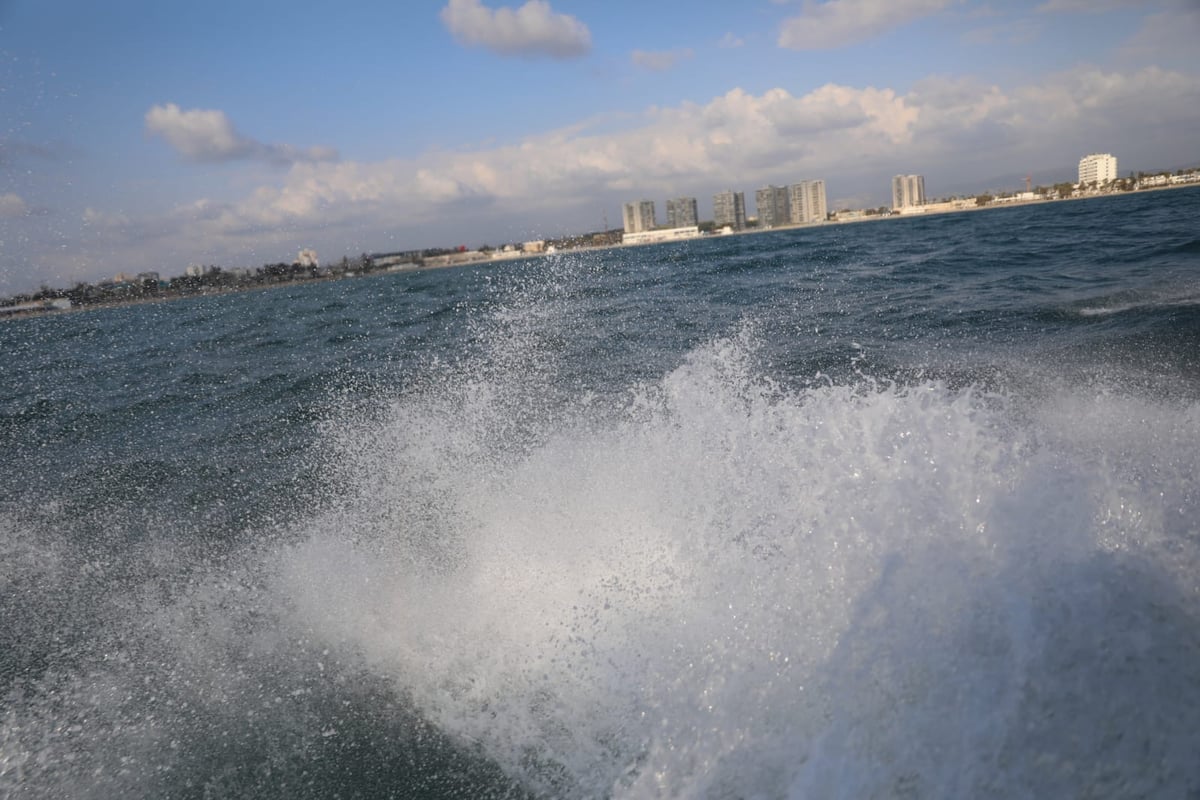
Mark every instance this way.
x=53 y=312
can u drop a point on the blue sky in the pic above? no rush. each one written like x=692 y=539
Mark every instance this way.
x=148 y=135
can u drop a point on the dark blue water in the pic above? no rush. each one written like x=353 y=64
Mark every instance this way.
x=905 y=508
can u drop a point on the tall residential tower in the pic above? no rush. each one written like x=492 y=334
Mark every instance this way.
x=638 y=216
x=729 y=208
x=1098 y=168
x=908 y=191
x=681 y=212
x=771 y=202
x=807 y=200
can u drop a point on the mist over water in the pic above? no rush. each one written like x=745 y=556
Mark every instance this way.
x=907 y=509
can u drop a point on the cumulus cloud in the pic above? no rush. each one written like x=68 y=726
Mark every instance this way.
x=534 y=29
x=738 y=136
x=735 y=138
x=730 y=40
x=11 y=205
x=661 y=60
x=834 y=23
x=208 y=135
x=559 y=181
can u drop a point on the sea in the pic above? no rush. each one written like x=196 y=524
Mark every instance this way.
x=897 y=509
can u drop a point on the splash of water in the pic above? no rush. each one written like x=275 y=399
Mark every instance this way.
x=722 y=587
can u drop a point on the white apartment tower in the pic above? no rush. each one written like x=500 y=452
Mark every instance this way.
x=1098 y=168
x=638 y=216
x=729 y=208
x=908 y=191
x=772 y=205
x=681 y=212
x=807 y=200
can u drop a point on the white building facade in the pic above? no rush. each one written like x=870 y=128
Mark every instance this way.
x=807 y=201
x=638 y=216
x=661 y=235
x=1098 y=168
x=908 y=191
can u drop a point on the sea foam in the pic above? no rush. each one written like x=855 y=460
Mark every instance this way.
x=720 y=587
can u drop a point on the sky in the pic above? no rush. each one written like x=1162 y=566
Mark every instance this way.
x=141 y=135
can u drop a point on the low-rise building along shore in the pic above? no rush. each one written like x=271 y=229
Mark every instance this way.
x=662 y=235
x=198 y=280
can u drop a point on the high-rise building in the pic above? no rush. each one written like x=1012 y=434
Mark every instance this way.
x=908 y=191
x=772 y=205
x=807 y=200
x=639 y=216
x=681 y=212
x=729 y=208
x=1098 y=168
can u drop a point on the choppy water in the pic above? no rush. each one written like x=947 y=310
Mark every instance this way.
x=899 y=509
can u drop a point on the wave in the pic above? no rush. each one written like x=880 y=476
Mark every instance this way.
x=706 y=584
x=1109 y=309
x=724 y=588
x=1127 y=302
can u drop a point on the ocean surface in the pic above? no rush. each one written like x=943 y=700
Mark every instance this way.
x=908 y=508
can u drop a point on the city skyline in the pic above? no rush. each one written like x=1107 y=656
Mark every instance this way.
x=148 y=286
x=145 y=137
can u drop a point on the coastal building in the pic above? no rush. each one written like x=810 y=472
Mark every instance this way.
x=1097 y=168
x=681 y=212
x=638 y=216
x=908 y=191
x=807 y=201
x=772 y=205
x=49 y=304
x=661 y=235
x=729 y=209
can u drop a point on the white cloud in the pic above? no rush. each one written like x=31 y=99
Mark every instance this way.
x=834 y=23
x=739 y=138
x=208 y=135
x=735 y=137
x=534 y=29
x=853 y=137
x=661 y=60
x=11 y=205
x=730 y=40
